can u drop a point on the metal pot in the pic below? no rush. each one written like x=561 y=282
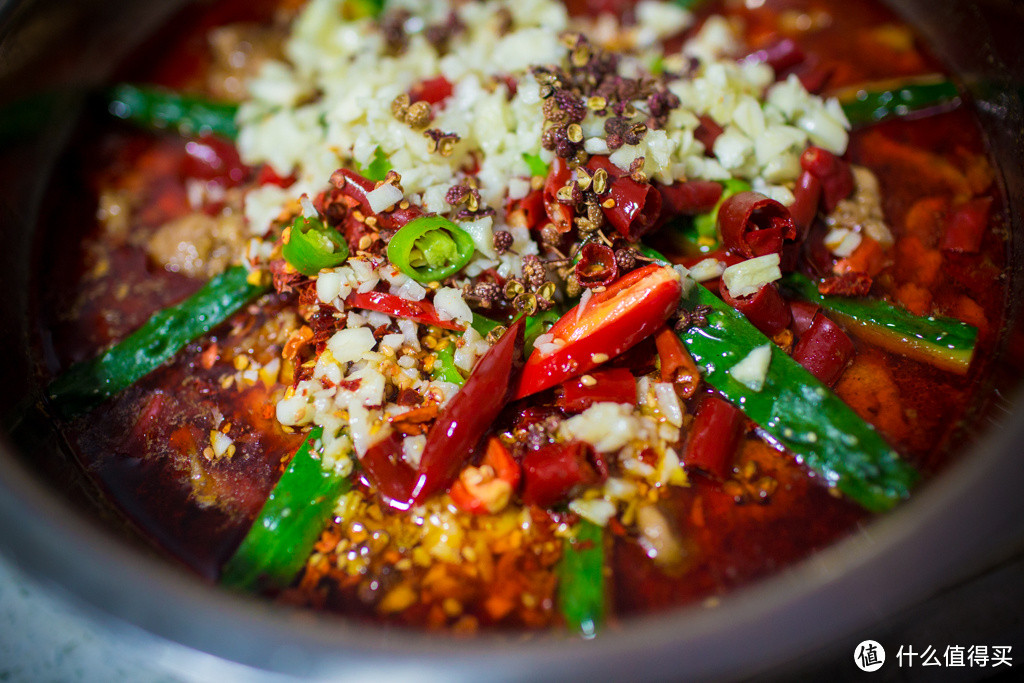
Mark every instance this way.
x=972 y=516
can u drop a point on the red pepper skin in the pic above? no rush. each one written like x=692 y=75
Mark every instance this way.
x=713 y=439
x=965 y=226
x=630 y=310
x=215 y=160
x=807 y=196
x=834 y=174
x=814 y=73
x=559 y=214
x=765 y=309
x=780 y=55
x=469 y=414
x=616 y=385
x=677 y=365
x=532 y=206
x=688 y=198
x=551 y=473
x=597 y=265
x=706 y=133
x=356 y=187
x=754 y=225
x=824 y=349
x=420 y=311
x=505 y=468
x=392 y=477
x=803 y=313
x=268 y=176
x=432 y=91
x=637 y=206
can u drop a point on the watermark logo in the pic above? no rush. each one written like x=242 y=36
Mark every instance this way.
x=869 y=655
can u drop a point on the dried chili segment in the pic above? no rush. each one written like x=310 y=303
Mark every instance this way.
x=754 y=225
x=597 y=265
x=633 y=207
x=469 y=414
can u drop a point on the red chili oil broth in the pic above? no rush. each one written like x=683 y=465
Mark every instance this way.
x=144 y=447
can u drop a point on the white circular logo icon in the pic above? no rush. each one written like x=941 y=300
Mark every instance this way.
x=869 y=655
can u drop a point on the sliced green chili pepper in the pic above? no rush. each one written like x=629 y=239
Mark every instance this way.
x=444 y=366
x=376 y=170
x=705 y=225
x=359 y=9
x=581 y=590
x=483 y=324
x=312 y=246
x=88 y=383
x=430 y=248
x=537 y=325
x=871 y=102
x=188 y=115
x=536 y=164
x=796 y=409
x=650 y=252
x=946 y=343
x=287 y=527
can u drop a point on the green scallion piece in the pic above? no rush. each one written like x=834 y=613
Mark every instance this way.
x=87 y=384
x=945 y=343
x=796 y=409
x=161 y=109
x=581 y=589
x=879 y=100
x=287 y=527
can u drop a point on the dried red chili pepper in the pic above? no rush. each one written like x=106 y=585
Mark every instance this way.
x=551 y=473
x=834 y=173
x=356 y=187
x=714 y=436
x=752 y=225
x=807 y=196
x=765 y=309
x=469 y=414
x=803 y=313
x=432 y=91
x=824 y=349
x=597 y=266
x=677 y=365
x=616 y=385
x=780 y=55
x=707 y=132
x=965 y=225
x=634 y=207
x=383 y=466
x=214 y=159
x=559 y=214
x=688 y=198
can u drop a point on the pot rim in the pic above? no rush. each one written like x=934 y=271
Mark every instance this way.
x=892 y=562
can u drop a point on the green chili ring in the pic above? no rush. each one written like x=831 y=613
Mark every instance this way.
x=430 y=248
x=312 y=246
